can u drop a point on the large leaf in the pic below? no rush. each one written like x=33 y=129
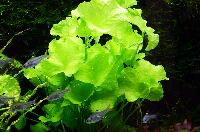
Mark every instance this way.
x=100 y=69
x=142 y=81
x=102 y=100
x=53 y=113
x=96 y=67
x=65 y=55
x=9 y=87
x=101 y=16
x=80 y=92
x=137 y=20
x=52 y=82
x=65 y=27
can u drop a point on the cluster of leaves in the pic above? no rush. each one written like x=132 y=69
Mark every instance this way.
x=12 y=103
x=98 y=72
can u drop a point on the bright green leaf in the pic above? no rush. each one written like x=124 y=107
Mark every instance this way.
x=156 y=93
x=59 y=80
x=83 y=30
x=53 y=113
x=65 y=27
x=142 y=81
x=65 y=103
x=153 y=39
x=80 y=92
x=65 y=56
x=96 y=67
x=127 y=3
x=101 y=68
x=9 y=87
x=102 y=100
x=101 y=16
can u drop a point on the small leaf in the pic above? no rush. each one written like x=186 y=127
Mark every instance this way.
x=59 y=80
x=39 y=127
x=21 y=123
x=43 y=119
x=137 y=20
x=65 y=103
x=153 y=39
x=127 y=3
x=80 y=92
x=65 y=27
x=53 y=113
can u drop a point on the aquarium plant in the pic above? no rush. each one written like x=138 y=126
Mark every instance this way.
x=96 y=57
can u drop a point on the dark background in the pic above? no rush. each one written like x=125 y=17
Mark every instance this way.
x=176 y=22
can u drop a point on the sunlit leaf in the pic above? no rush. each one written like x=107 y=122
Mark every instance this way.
x=101 y=16
x=127 y=3
x=102 y=100
x=142 y=81
x=80 y=92
x=9 y=87
x=65 y=27
x=53 y=113
x=97 y=67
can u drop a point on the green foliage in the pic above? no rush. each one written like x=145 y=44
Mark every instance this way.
x=9 y=87
x=142 y=81
x=80 y=92
x=39 y=127
x=56 y=112
x=53 y=112
x=97 y=74
x=71 y=116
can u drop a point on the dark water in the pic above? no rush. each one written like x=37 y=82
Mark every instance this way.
x=179 y=52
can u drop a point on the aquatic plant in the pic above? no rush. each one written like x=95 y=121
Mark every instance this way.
x=94 y=70
x=100 y=55
x=14 y=103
